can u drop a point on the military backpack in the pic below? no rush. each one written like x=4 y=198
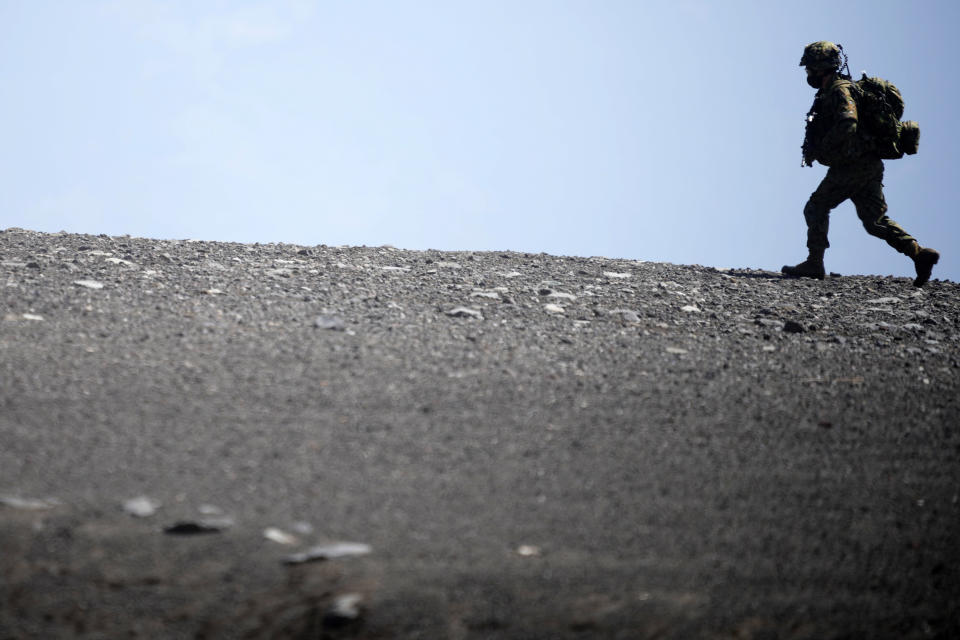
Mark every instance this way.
x=880 y=107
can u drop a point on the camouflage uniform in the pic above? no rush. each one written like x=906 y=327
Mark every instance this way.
x=855 y=173
x=855 y=169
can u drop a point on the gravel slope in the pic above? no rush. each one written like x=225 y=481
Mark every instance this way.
x=533 y=446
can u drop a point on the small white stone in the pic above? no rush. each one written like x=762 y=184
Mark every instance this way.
x=141 y=506
x=614 y=274
x=89 y=284
x=31 y=316
x=676 y=350
x=553 y=308
x=329 y=552
x=529 y=551
x=279 y=536
x=465 y=312
x=29 y=504
x=690 y=309
x=346 y=607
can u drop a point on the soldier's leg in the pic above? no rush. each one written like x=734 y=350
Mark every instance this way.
x=831 y=191
x=872 y=211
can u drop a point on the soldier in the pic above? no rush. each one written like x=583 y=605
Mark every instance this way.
x=855 y=172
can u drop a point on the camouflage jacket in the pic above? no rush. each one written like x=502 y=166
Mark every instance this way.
x=831 y=136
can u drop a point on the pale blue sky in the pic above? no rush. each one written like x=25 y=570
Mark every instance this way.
x=665 y=131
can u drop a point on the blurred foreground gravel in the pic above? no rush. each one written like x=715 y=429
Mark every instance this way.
x=380 y=443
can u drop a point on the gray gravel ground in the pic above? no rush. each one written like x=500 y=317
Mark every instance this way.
x=533 y=446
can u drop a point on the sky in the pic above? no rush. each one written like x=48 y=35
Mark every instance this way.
x=661 y=131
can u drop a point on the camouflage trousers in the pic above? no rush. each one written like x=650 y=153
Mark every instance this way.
x=862 y=183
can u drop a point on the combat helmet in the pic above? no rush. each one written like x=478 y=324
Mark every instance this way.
x=821 y=56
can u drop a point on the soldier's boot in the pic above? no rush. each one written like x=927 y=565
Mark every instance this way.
x=812 y=267
x=923 y=260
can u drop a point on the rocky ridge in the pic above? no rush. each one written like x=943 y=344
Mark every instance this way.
x=532 y=445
